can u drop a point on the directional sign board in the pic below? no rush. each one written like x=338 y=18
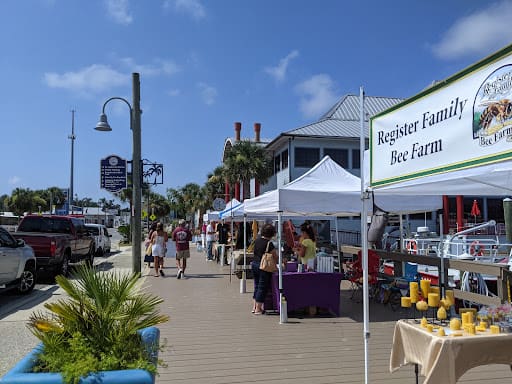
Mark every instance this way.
x=113 y=172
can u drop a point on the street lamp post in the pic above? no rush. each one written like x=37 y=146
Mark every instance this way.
x=135 y=126
x=72 y=137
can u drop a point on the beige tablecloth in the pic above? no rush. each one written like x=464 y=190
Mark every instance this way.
x=445 y=359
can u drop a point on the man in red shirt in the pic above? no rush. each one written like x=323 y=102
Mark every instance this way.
x=181 y=235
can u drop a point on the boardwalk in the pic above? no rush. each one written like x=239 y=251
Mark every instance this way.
x=213 y=338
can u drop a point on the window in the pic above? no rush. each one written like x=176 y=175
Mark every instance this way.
x=356 y=160
x=421 y=216
x=306 y=157
x=277 y=164
x=340 y=156
x=284 y=159
x=6 y=240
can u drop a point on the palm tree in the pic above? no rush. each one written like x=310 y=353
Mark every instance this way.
x=186 y=200
x=25 y=200
x=214 y=186
x=245 y=161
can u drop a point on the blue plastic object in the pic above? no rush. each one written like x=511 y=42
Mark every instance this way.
x=21 y=373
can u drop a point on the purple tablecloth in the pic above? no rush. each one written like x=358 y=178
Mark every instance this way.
x=291 y=266
x=309 y=289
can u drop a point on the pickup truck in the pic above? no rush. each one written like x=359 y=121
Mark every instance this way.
x=17 y=264
x=58 y=241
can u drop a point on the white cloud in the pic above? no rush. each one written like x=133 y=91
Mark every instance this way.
x=13 y=180
x=479 y=33
x=193 y=8
x=93 y=79
x=317 y=94
x=174 y=92
x=118 y=10
x=208 y=93
x=279 y=72
x=159 y=67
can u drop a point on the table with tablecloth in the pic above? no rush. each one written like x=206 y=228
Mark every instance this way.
x=306 y=289
x=444 y=359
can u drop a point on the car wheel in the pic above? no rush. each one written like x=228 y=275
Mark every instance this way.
x=27 y=281
x=99 y=252
x=63 y=268
x=89 y=260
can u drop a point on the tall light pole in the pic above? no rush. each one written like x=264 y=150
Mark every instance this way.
x=72 y=137
x=103 y=125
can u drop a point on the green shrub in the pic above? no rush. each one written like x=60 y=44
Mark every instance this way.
x=125 y=231
x=95 y=328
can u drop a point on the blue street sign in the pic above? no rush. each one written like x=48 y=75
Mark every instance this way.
x=113 y=172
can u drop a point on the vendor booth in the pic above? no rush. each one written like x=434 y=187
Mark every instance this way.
x=454 y=139
x=327 y=190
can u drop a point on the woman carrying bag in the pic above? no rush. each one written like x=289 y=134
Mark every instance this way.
x=262 y=278
x=148 y=257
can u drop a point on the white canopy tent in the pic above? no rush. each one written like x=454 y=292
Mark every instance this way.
x=491 y=180
x=211 y=216
x=329 y=190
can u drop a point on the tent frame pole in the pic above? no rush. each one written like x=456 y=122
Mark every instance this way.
x=364 y=239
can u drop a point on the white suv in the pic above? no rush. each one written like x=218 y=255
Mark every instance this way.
x=17 y=264
x=101 y=238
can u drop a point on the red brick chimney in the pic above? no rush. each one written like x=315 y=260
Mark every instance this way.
x=238 y=128
x=257 y=130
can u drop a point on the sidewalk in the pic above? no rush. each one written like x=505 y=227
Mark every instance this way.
x=213 y=338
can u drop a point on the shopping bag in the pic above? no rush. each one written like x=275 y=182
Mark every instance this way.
x=171 y=249
x=267 y=263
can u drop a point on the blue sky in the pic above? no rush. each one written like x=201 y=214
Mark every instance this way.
x=205 y=64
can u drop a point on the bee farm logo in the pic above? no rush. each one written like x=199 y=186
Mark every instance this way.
x=492 y=109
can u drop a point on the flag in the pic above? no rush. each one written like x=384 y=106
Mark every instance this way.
x=475 y=211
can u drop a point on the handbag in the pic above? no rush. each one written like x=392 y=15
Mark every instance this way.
x=267 y=263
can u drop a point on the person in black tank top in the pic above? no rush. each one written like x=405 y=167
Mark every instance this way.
x=262 y=278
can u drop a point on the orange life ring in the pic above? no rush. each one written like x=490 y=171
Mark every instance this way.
x=412 y=247
x=475 y=249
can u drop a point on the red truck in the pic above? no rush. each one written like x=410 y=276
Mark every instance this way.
x=58 y=241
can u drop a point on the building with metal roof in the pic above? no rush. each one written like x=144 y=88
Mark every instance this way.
x=336 y=133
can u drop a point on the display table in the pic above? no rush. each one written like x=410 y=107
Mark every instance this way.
x=444 y=359
x=306 y=289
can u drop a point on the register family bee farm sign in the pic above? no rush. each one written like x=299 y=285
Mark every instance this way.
x=461 y=122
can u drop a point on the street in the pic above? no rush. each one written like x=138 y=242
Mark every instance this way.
x=16 y=309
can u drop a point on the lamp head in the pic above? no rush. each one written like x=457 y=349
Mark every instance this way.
x=103 y=124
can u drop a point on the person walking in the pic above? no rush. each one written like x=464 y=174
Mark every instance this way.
x=262 y=278
x=203 y=234
x=159 y=240
x=222 y=239
x=210 y=239
x=148 y=257
x=182 y=235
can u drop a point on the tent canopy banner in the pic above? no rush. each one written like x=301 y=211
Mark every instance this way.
x=462 y=122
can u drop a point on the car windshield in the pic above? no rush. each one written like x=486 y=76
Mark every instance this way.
x=93 y=230
x=44 y=224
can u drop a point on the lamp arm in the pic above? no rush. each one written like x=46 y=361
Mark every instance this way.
x=117 y=98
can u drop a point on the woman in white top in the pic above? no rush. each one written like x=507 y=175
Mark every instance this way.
x=159 y=241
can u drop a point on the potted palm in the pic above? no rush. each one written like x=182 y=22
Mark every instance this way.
x=103 y=332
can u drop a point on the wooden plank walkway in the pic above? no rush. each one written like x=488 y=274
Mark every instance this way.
x=213 y=338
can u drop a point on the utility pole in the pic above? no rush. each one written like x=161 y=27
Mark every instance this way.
x=72 y=137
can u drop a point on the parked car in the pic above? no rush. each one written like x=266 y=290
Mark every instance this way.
x=17 y=264
x=57 y=241
x=101 y=238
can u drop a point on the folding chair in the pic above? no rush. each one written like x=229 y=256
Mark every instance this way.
x=354 y=272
